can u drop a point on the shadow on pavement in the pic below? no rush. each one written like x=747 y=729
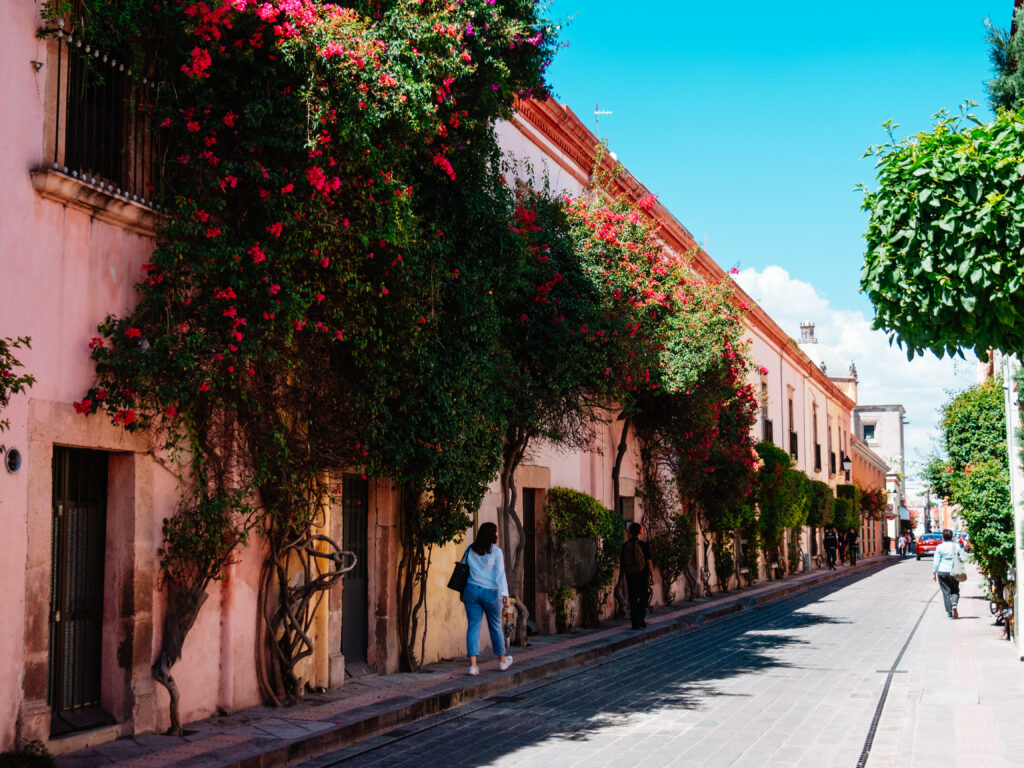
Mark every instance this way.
x=681 y=671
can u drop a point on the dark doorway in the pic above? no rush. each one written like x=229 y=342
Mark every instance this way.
x=530 y=550
x=355 y=495
x=76 y=588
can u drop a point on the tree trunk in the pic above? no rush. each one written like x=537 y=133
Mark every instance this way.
x=620 y=452
x=515 y=448
x=183 y=604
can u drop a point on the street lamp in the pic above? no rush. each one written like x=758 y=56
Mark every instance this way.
x=847 y=465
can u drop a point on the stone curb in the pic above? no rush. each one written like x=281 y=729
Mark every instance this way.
x=374 y=719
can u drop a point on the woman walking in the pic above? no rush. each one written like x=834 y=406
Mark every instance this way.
x=486 y=594
x=942 y=564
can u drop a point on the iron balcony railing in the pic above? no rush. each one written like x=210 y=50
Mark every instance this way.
x=102 y=123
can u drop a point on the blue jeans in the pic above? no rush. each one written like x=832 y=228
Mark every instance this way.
x=480 y=601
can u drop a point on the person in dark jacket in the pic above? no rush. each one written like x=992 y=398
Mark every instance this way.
x=853 y=544
x=831 y=546
x=638 y=571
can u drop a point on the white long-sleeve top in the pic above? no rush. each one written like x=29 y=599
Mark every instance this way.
x=488 y=571
x=942 y=560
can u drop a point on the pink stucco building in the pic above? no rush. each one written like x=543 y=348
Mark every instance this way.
x=81 y=597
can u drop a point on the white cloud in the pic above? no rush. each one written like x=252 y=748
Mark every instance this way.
x=845 y=336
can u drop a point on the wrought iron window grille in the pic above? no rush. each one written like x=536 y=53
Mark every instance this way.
x=102 y=122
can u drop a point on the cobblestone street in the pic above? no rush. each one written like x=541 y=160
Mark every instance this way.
x=861 y=671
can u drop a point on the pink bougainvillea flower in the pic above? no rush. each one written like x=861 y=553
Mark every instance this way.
x=96 y=341
x=275 y=229
x=124 y=417
x=201 y=62
x=204 y=387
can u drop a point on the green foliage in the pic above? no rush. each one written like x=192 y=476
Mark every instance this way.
x=561 y=601
x=820 y=504
x=843 y=514
x=198 y=541
x=794 y=554
x=12 y=383
x=984 y=493
x=672 y=550
x=783 y=498
x=725 y=559
x=573 y=514
x=31 y=754
x=976 y=476
x=973 y=425
x=937 y=474
x=1006 y=89
x=945 y=256
x=847 y=514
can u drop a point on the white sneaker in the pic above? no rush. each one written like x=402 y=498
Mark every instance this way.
x=503 y=665
x=474 y=670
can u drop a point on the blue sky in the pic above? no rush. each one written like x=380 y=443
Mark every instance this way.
x=749 y=120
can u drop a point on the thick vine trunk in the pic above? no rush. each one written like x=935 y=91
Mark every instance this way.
x=183 y=604
x=620 y=453
x=288 y=605
x=412 y=576
x=509 y=521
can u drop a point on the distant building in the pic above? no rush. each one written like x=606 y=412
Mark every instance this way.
x=880 y=427
x=869 y=471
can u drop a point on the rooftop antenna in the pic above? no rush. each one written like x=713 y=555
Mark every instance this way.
x=597 y=120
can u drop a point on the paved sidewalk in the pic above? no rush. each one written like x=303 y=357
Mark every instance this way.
x=957 y=694
x=264 y=736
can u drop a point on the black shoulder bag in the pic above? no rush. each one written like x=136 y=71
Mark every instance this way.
x=460 y=576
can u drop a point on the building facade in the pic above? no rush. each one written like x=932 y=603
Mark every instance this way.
x=83 y=510
x=880 y=428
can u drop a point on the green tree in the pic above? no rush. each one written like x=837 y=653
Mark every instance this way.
x=976 y=475
x=848 y=514
x=783 y=498
x=1006 y=51
x=821 y=504
x=945 y=255
x=553 y=363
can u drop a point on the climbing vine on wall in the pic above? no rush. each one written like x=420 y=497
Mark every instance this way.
x=322 y=293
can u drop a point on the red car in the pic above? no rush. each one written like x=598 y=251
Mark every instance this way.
x=927 y=542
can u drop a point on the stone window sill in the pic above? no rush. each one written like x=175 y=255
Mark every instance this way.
x=101 y=204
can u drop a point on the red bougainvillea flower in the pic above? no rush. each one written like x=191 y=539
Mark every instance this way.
x=133 y=333
x=83 y=406
x=96 y=341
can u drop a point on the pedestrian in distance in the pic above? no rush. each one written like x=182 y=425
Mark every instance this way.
x=485 y=595
x=852 y=543
x=942 y=565
x=831 y=540
x=901 y=545
x=638 y=572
